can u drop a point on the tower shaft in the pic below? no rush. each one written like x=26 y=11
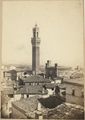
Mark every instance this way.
x=35 y=50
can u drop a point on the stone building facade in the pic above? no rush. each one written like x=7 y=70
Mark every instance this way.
x=50 y=71
x=74 y=91
x=11 y=74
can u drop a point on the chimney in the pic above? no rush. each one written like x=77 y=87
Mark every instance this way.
x=48 y=63
x=22 y=96
x=44 y=76
x=39 y=106
x=43 y=90
x=56 y=65
x=56 y=68
x=33 y=73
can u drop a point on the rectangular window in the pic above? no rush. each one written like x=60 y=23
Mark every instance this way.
x=33 y=84
x=37 y=83
x=73 y=92
x=29 y=83
x=82 y=94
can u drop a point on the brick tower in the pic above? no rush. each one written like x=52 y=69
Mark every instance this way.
x=35 y=40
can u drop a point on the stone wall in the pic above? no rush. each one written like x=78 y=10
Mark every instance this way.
x=78 y=89
x=74 y=99
x=77 y=98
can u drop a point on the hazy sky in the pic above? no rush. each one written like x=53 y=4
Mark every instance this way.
x=61 y=31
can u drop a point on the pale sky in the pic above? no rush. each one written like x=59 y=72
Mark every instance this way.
x=61 y=31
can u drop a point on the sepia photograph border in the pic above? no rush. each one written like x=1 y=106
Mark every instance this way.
x=1 y=21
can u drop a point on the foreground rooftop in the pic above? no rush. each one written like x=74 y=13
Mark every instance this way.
x=66 y=111
x=76 y=81
x=32 y=90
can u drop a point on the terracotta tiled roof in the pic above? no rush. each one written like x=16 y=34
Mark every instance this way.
x=50 y=85
x=51 y=101
x=66 y=111
x=37 y=89
x=76 y=81
x=8 y=91
x=27 y=106
x=35 y=79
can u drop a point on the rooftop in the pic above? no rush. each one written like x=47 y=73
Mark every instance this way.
x=28 y=105
x=76 y=81
x=8 y=91
x=50 y=85
x=35 y=79
x=66 y=111
x=37 y=89
x=51 y=101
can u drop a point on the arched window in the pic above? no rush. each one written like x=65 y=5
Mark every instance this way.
x=34 y=33
x=37 y=34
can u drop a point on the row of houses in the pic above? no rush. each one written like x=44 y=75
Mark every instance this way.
x=49 y=87
x=71 y=90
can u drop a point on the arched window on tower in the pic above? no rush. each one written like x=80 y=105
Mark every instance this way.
x=37 y=34
x=82 y=93
x=34 y=33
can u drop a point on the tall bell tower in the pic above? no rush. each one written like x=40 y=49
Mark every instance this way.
x=35 y=40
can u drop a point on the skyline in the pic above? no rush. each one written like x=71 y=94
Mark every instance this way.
x=61 y=31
